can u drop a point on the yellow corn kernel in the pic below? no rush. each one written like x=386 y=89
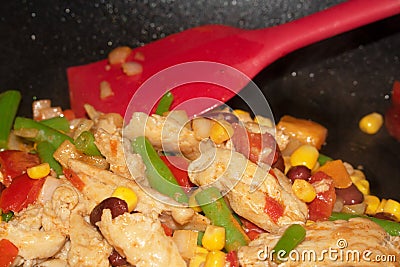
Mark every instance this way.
x=371 y=123
x=304 y=190
x=214 y=237
x=128 y=195
x=392 y=207
x=38 y=171
x=199 y=258
x=306 y=155
x=261 y=120
x=357 y=175
x=309 y=222
x=363 y=186
x=215 y=259
x=220 y=132
x=372 y=204
x=381 y=206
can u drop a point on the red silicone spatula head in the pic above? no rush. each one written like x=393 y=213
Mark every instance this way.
x=248 y=51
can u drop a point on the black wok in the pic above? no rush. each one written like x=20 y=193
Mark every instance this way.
x=334 y=82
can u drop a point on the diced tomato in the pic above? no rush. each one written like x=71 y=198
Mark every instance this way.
x=13 y=163
x=20 y=193
x=392 y=121
x=74 y=179
x=273 y=208
x=178 y=166
x=252 y=230
x=396 y=93
x=232 y=258
x=167 y=230
x=321 y=207
x=69 y=114
x=8 y=253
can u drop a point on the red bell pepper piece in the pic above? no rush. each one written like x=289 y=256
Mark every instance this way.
x=167 y=230
x=8 y=253
x=252 y=230
x=321 y=207
x=13 y=163
x=392 y=115
x=74 y=179
x=20 y=193
x=178 y=166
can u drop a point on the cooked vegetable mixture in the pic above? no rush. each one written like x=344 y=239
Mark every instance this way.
x=223 y=189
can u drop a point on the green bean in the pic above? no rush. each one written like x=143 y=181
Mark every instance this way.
x=290 y=239
x=85 y=143
x=158 y=174
x=216 y=209
x=165 y=103
x=58 y=123
x=391 y=227
x=322 y=159
x=46 y=151
x=42 y=132
x=6 y=217
x=9 y=102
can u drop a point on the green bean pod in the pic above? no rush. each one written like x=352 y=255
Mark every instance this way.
x=85 y=143
x=45 y=151
x=290 y=239
x=165 y=103
x=58 y=123
x=215 y=208
x=157 y=172
x=391 y=227
x=9 y=102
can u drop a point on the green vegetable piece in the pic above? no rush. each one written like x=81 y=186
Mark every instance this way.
x=6 y=217
x=158 y=174
x=391 y=227
x=45 y=151
x=44 y=132
x=9 y=102
x=216 y=209
x=85 y=143
x=200 y=238
x=165 y=103
x=290 y=239
x=58 y=123
x=322 y=159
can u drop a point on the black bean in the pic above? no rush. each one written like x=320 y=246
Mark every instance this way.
x=116 y=205
x=350 y=195
x=299 y=172
x=279 y=162
x=116 y=259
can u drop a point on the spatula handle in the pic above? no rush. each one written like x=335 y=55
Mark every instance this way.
x=330 y=22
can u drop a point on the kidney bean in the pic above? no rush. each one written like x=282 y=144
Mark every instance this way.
x=299 y=172
x=116 y=205
x=229 y=117
x=116 y=259
x=350 y=195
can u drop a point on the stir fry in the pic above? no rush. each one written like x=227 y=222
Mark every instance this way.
x=223 y=189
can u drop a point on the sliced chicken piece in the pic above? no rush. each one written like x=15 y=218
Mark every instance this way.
x=100 y=184
x=253 y=192
x=140 y=239
x=356 y=242
x=53 y=263
x=164 y=133
x=88 y=247
x=32 y=243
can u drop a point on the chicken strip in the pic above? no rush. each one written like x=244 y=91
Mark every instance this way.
x=357 y=242
x=271 y=205
x=164 y=133
x=88 y=247
x=140 y=239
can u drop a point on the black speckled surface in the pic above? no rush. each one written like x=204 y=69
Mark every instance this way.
x=333 y=82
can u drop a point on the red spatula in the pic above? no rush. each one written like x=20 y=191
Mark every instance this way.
x=248 y=51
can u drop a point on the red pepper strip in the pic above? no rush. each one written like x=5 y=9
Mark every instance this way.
x=392 y=115
x=252 y=230
x=232 y=258
x=13 y=163
x=273 y=208
x=167 y=230
x=321 y=207
x=74 y=179
x=8 y=253
x=21 y=192
x=178 y=166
